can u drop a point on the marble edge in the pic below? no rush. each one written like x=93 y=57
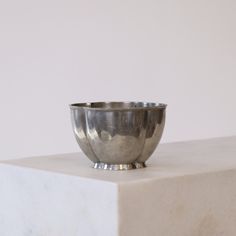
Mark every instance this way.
x=120 y=183
x=116 y=180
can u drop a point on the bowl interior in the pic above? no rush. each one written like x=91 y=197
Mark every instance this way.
x=118 y=105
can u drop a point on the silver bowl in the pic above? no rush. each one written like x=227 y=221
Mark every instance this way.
x=118 y=135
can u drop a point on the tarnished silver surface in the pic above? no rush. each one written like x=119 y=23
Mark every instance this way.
x=118 y=135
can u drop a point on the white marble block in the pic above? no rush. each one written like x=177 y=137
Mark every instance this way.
x=188 y=189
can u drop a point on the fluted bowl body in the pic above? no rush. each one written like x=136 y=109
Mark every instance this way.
x=118 y=135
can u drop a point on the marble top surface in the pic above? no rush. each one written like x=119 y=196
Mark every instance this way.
x=170 y=160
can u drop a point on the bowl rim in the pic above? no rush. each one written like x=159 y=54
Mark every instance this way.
x=87 y=106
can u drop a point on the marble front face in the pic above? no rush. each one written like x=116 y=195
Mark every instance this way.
x=188 y=189
x=41 y=203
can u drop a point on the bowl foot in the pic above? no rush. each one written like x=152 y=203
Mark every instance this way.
x=106 y=166
x=139 y=165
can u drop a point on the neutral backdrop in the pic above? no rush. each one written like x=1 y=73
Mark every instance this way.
x=53 y=53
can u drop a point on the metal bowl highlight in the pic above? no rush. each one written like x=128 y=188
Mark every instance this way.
x=118 y=135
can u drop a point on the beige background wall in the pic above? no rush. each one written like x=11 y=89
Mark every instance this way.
x=53 y=53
